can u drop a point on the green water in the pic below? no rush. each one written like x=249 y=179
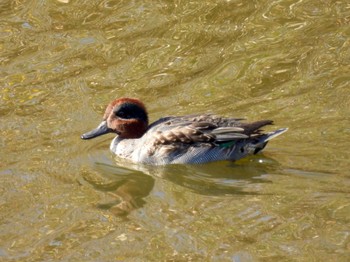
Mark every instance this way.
x=64 y=199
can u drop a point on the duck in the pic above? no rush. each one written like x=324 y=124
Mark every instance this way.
x=188 y=139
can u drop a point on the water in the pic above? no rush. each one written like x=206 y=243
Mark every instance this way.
x=64 y=199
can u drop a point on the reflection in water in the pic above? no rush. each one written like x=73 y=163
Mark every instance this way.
x=128 y=187
x=217 y=178
x=62 y=62
x=223 y=178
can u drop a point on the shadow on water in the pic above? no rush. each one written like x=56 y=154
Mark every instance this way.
x=128 y=184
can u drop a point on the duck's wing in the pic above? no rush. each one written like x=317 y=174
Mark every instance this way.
x=202 y=129
x=201 y=138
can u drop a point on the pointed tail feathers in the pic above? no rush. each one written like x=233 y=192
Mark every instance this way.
x=272 y=135
x=266 y=138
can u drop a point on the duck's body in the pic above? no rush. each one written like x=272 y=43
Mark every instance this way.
x=179 y=140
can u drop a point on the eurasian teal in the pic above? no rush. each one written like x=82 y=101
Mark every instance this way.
x=190 y=139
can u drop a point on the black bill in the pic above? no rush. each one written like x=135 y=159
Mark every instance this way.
x=99 y=131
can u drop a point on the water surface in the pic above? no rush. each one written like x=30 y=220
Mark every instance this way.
x=64 y=199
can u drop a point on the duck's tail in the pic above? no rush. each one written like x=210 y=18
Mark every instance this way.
x=261 y=143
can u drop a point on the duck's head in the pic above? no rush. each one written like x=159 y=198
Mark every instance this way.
x=126 y=117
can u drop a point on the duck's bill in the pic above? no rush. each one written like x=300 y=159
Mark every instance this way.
x=99 y=131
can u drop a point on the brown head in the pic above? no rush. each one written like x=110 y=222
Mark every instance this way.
x=126 y=117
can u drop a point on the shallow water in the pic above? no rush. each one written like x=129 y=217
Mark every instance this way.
x=64 y=199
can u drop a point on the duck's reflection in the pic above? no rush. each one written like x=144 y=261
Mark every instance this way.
x=126 y=188
x=129 y=184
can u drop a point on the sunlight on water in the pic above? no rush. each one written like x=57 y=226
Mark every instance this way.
x=65 y=199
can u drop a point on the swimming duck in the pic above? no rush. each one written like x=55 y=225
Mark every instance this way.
x=186 y=139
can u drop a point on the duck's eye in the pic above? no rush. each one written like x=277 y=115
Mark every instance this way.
x=122 y=114
x=130 y=111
